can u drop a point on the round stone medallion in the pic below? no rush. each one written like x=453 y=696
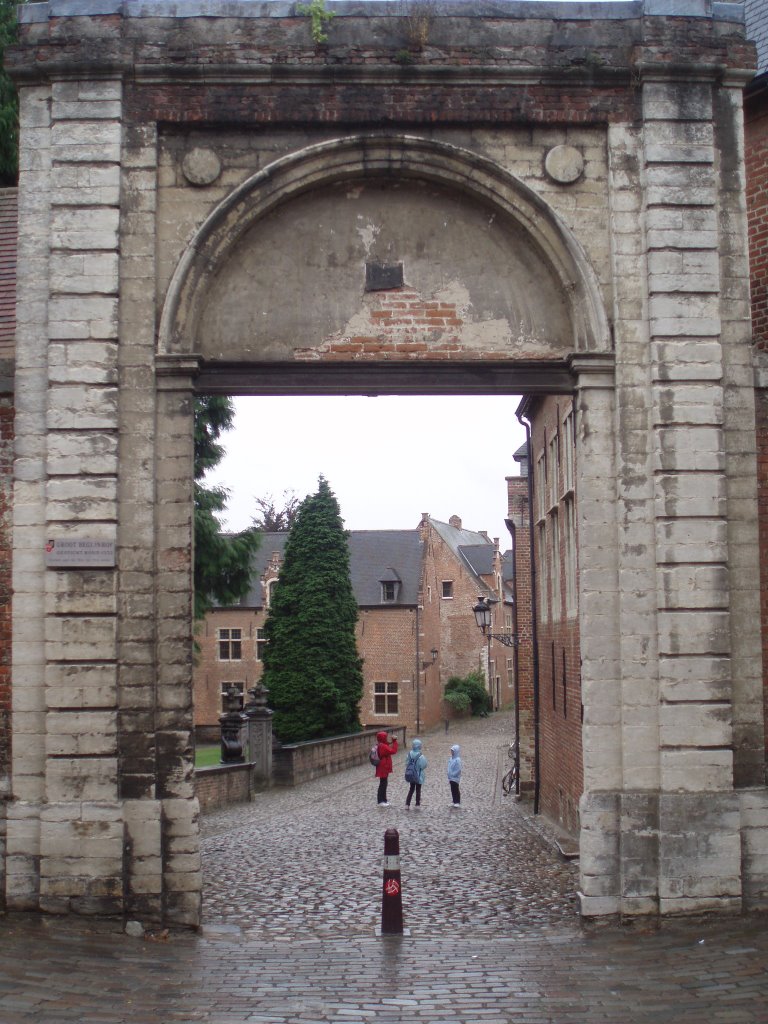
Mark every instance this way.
x=201 y=166
x=564 y=164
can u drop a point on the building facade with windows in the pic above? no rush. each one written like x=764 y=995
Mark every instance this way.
x=756 y=160
x=415 y=591
x=550 y=702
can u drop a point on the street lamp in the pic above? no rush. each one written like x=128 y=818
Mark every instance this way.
x=482 y=612
x=424 y=666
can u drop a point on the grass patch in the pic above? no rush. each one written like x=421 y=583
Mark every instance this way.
x=207 y=755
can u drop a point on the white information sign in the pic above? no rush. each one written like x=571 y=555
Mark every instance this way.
x=80 y=553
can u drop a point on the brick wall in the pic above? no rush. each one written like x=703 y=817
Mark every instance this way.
x=560 y=713
x=211 y=673
x=461 y=646
x=221 y=785
x=756 y=150
x=757 y=207
x=517 y=511
x=387 y=642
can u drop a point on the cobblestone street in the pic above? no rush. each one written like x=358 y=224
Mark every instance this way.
x=293 y=897
x=308 y=862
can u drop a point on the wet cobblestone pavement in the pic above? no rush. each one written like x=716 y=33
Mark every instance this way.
x=309 y=861
x=293 y=893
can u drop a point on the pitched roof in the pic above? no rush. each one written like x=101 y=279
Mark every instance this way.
x=8 y=241
x=457 y=537
x=756 y=17
x=375 y=556
x=479 y=557
x=475 y=550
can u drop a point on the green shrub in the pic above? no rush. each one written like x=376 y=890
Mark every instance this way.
x=468 y=692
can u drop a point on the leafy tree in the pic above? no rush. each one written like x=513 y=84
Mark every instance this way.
x=9 y=102
x=222 y=561
x=271 y=519
x=468 y=693
x=311 y=666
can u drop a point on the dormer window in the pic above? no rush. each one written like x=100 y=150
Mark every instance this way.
x=390 y=586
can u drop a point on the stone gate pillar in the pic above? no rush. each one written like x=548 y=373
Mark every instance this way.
x=673 y=747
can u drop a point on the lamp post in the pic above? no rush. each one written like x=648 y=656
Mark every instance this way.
x=482 y=612
x=424 y=666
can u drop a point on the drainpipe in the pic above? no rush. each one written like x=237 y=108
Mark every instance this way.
x=417 y=666
x=515 y=651
x=534 y=632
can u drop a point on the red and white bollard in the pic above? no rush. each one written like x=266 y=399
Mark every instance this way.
x=392 y=893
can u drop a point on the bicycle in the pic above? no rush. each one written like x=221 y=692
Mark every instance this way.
x=509 y=779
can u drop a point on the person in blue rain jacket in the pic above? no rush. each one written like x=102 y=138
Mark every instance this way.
x=454 y=774
x=419 y=762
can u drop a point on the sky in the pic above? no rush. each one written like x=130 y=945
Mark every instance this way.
x=387 y=459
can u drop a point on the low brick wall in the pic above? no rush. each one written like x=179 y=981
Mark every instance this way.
x=295 y=763
x=223 y=784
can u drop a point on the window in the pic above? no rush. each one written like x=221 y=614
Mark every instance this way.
x=554 y=567
x=569 y=451
x=541 y=485
x=543 y=576
x=565 y=688
x=447 y=588
x=553 y=469
x=388 y=591
x=261 y=642
x=570 y=557
x=554 y=680
x=385 y=698
x=230 y=644
x=225 y=687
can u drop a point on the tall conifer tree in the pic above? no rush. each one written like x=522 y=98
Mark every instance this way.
x=311 y=666
x=222 y=560
x=9 y=103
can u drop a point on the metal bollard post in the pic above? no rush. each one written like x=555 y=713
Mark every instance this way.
x=392 y=893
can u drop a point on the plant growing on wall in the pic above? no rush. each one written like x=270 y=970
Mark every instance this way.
x=311 y=666
x=418 y=16
x=319 y=17
x=222 y=561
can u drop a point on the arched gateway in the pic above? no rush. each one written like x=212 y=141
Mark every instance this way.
x=546 y=200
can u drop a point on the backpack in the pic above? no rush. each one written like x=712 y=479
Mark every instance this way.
x=412 y=769
x=373 y=757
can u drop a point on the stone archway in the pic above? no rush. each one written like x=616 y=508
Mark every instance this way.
x=221 y=257
x=614 y=159
x=565 y=278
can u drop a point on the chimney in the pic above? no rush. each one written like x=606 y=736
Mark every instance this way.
x=424 y=526
x=455 y=522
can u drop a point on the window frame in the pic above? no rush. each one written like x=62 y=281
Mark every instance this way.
x=387 y=695
x=229 y=640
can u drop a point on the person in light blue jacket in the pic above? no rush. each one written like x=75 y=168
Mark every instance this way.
x=415 y=770
x=454 y=774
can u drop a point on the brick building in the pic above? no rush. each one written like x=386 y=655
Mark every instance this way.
x=756 y=150
x=550 y=679
x=415 y=590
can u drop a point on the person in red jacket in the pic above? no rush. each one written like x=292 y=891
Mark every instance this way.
x=387 y=747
